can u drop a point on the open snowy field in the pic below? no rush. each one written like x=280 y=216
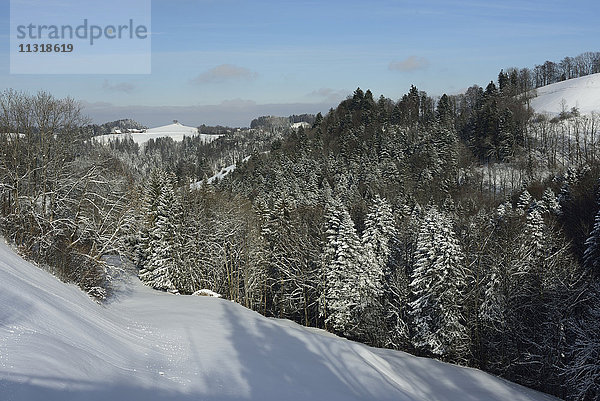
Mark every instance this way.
x=57 y=344
x=583 y=93
x=175 y=131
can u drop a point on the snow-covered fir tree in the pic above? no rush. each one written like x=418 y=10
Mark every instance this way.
x=160 y=238
x=549 y=202
x=375 y=271
x=525 y=200
x=438 y=283
x=340 y=263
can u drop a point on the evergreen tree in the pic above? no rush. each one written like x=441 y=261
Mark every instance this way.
x=550 y=203
x=444 y=111
x=503 y=81
x=341 y=258
x=375 y=272
x=525 y=201
x=160 y=245
x=438 y=282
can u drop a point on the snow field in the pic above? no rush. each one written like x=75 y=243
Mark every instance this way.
x=58 y=344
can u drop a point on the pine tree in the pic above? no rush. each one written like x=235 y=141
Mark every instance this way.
x=340 y=263
x=375 y=272
x=525 y=201
x=444 y=111
x=437 y=283
x=549 y=202
x=161 y=241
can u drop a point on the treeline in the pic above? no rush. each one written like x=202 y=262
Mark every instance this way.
x=271 y=122
x=106 y=128
x=550 y=72
x=569 y=67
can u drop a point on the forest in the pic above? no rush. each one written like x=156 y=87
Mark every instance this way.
x=464 y=228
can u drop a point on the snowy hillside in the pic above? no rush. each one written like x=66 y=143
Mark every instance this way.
x=176 y=131
x=220 y=175
x=57 y=344
x=583 y=93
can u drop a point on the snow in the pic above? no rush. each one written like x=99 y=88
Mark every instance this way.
x=583 y=93
x=206 y=293
x=58 y=344
x=176 y=131
x=302 y=124
x=219 y=176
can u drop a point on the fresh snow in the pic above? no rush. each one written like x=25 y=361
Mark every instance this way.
x=177 y=131
x=58 y=344
x=206 y=293
x=224 y=172
x=302 y=124
x=583 y=93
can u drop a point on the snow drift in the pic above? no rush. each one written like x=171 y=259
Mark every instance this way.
x=57 y=344
x=583 y=93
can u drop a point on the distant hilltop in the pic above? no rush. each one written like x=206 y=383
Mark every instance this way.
x=176 y=131
x=581 y=93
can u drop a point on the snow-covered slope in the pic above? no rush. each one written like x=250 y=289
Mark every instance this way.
x=57 y=344
x=176 y=131
x=224 y=172
x=583 y=93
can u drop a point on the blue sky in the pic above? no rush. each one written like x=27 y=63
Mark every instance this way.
x=227 y=61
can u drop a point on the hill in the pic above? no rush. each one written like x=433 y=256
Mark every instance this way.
x=57 y=344
x=583 y=93
x=176 y=131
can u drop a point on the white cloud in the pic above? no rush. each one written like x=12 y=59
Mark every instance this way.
x=412 y=63
x=329 y=94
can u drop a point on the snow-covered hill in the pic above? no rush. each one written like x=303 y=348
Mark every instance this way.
x=57 y=344
x=583 y=93
x=176 y=131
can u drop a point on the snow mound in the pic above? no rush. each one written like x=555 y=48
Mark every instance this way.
x=206 y=293
x=583 y=93
x=177 y=131
x=57 y=344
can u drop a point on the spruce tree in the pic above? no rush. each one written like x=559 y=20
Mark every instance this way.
x=375 y=272
x=438 y=282
x=340 y=263
x=161 y=241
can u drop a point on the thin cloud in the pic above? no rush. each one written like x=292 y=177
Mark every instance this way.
x=224 y=73
x=125 y=87
x=412 y=63
x=329 y=94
